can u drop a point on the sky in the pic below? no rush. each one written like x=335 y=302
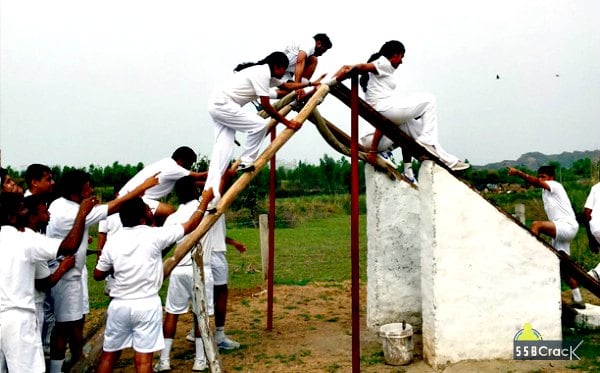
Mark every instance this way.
x=94 y=82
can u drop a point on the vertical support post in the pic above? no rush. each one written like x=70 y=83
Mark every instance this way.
x=354 y=242
x=271 y=236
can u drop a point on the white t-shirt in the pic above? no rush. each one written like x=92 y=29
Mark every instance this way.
x=215 y=237
x=170 y=172
x=110 y=225
x=248 y=85
x=19 y=252
x=62 y=217
x=183 y=214
x=557 y=204
x=135 y=255
x=292 y=50
x=381 y=86
x=593 y=203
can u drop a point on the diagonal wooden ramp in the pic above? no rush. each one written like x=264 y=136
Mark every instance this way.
x=388 y=128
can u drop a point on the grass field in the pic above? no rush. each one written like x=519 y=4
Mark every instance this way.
x=317 y=249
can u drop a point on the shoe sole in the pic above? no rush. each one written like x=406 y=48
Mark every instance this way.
x=246 y=169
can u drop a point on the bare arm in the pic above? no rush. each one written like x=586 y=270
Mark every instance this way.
x=238 y=245
x=530 y=179
x=265 y=102
x=347 y=70
x=115 y=204
x=300 y=63
x=197 y=216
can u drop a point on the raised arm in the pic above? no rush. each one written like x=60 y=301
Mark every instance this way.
x=197 y=216
x=530 y=179
x=113 y=206
x=265 y=102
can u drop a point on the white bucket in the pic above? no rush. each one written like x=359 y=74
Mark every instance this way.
x=397 y=343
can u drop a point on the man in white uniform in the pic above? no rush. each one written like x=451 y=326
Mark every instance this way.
x=591 y=211
x=181 y=282
x=169 y=171
x=134 y=256
x=562 y=225
x=20 y=342
x=69 y=293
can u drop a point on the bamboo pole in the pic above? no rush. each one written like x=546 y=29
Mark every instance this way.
x=241 y=183
x=210 y=346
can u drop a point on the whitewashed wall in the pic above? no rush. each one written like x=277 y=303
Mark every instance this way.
x=393 y=260
x=482 y=276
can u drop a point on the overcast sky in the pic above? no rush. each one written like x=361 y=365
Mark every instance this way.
x=87 y=82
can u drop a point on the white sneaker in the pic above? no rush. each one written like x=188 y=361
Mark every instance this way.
x=227 y=344
x=411 y=180
x=387 y=157
x=459 y=166
x=162 y=366
x=199 y=365
x=190 y=337
x=594 y=274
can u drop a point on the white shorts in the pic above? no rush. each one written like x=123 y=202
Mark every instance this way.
x=68 y=300
x=39 y=315
x=220 y=268
x=20 y=343
x=134 y=323
x=181 y=291
x=565 y=232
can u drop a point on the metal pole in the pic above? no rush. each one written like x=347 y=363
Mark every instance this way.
x=271 y=237
x=354 y=243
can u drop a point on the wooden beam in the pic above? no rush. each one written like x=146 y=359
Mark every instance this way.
x=241 y=183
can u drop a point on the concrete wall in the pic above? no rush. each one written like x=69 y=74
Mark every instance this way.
x=393 y=260
x=482 y=276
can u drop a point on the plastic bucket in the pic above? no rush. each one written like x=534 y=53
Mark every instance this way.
x=397 y=342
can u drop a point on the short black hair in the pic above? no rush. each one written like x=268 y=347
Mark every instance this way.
x=547 y=170
x=132 y=211
x=186 y=155
x=33 y=201
x=324 y=39
x=186 y=189
x=72 y=182
x=10 y=203
x=35 y=171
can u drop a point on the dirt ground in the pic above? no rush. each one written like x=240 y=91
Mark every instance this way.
x=311 y=333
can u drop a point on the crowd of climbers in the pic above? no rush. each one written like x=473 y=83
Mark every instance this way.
x=44 y=235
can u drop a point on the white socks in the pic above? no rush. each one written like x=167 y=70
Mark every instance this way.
x=56 y=366
x=166 y=352
x=576 y=295
x=408 y=171
x=199 y=349
x=219 y=333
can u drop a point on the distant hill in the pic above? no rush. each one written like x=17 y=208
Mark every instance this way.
x=534 y=160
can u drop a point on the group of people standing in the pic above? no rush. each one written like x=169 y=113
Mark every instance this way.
x=44 y=235
x=44 y=241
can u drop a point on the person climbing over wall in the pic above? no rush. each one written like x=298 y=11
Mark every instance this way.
x=562 y=225
x=416 y=114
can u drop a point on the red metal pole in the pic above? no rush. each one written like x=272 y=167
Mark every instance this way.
x=272 y=182
x=354 y=242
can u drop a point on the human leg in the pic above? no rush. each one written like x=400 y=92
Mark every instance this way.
x=107 y=361
x=220 y=270
x=142 y=362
